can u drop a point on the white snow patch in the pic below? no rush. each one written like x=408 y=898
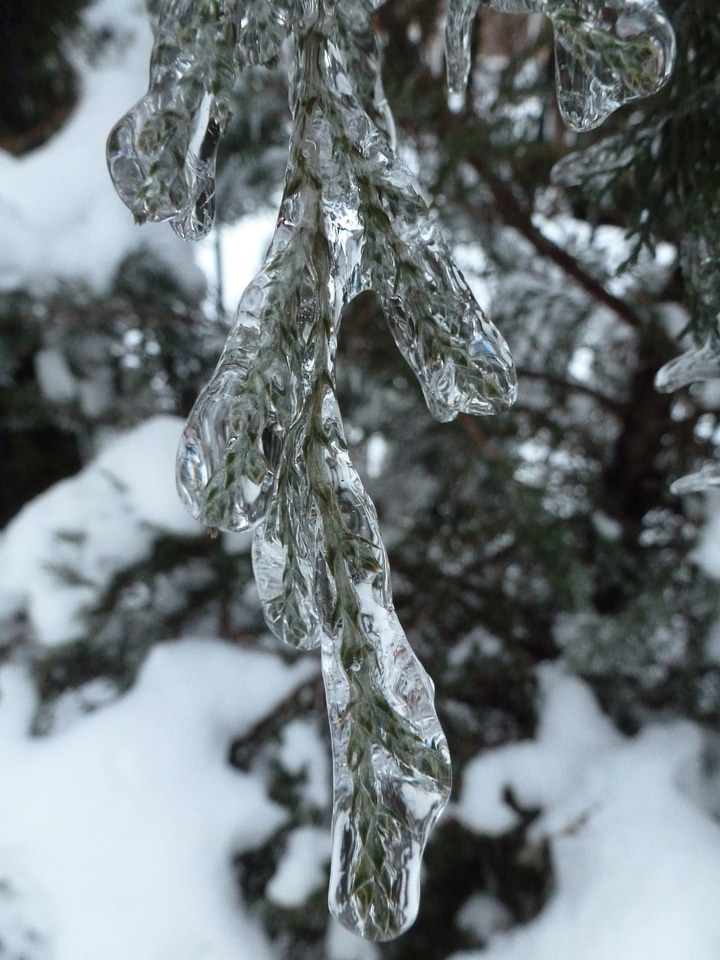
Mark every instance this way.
x=302 y=751
x=54 y=376
x=63 y=548
x=542 y=771
x=376 y=455
x=59 y=214
x=636 y=859
x=242 y=247
x=707 y=552
x=116 y=835
x=340 y=944
x=483 y=915
x=302 y=868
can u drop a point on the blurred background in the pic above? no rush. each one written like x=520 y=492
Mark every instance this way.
x=164 y=765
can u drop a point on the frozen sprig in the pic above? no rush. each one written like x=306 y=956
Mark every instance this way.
x=264 y=446
x=161 y=154
x=607 y=52
x=699 y=255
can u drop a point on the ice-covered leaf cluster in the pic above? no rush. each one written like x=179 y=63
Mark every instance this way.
x=607 y=52
x=264 y=447
x=700 y=254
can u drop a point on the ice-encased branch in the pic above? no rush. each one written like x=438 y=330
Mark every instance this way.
x=264 y=446
x=343 y=184
x=699 y=255
x=607 y=52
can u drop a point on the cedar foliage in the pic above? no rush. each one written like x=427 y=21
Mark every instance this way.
x=546 y=533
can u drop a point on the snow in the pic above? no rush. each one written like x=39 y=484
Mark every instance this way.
x=302 y=868
x=636 y=857
x=116 y=835
x=242 y=248
x=343 y=945
x=59 y=214
x=707 y=551
x=117 y=830
x=483 y=915
x=63 y=548
x=302 y=752
x=54 y=376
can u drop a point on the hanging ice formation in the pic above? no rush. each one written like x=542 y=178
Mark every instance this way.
x=699 y=258
x=607 y=52
x=264 y=446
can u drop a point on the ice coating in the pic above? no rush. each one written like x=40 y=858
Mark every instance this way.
x=693 y=366
x=598 y=163
x=264 y=446
x=161 y=154
x=607 y=52
x=228 y=458
x=458 y=29
x=707 y=478
x=262 y=29
x=391 y=782
x=699 y=254
x=287 y=586
x=391 y=766
x=233 y=439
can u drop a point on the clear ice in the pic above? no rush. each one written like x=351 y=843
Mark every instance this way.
x=707 y=478
x=161 y=154
x=607 y=52
x=264 y=446
x=696 y=365
x=693 y=366
x=699 y=257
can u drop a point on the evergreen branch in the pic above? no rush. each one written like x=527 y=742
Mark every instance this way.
x=520 y=218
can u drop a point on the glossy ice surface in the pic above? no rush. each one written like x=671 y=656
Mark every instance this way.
x=699 y=255
x=607 y=52
x=264 y=446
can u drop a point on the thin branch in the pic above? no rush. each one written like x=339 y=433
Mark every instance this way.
x=613 y=406
x=520 y=217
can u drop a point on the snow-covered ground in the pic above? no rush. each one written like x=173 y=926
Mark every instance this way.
x=117 y=829
x=116 y=833
x=61 y=551
x=636 y=851
x=59 y=214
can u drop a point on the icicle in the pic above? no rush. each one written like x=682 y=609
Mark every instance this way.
x=264 y=446
x=699 y=255
x=458 y=27
x=607 y=52
x=391 y=764
x=693 y=366
x=391 y=767
x=161 y=154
